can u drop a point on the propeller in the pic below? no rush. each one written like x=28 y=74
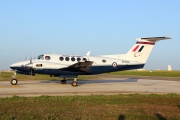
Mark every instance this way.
x=31 y=69
x=31 y=61
x=30 y=66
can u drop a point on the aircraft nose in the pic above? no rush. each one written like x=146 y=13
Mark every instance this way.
x=14 y=66
x=18 y=65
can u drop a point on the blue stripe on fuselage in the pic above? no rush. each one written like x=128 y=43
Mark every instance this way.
x=106 y=69
x=92 y=70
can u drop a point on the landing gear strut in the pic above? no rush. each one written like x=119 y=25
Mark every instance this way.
x=74 y=83
x=63 y=81
x=14 y=81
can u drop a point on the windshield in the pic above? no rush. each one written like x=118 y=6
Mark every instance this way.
x=40 y=57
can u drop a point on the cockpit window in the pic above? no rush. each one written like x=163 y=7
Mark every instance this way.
x=47 y=57
x=40 y=57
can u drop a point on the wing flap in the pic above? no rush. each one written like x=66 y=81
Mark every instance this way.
x=79 y=67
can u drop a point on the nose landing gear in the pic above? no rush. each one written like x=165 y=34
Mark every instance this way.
x=14 y=81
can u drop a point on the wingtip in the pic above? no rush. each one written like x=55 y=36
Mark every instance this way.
x=154 y=39
x=168 y=37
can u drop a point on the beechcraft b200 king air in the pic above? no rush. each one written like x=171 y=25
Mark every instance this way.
x=70 y=66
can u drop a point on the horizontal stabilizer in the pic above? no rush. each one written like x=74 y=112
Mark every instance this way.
x=152 y=39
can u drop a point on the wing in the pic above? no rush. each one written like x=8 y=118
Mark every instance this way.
x=79 y=67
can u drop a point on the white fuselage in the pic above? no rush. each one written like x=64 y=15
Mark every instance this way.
x=53 y=63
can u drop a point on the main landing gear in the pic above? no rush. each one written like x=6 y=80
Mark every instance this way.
x=14 y=81
x=74 y=83
x=63 y=81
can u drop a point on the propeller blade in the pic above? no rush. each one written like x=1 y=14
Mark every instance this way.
x=32 y=72
x=31 y=61
x=29 y=65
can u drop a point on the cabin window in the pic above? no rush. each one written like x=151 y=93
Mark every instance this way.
x=61 y=58
x=84 y=59
x=73 y=59
x=104 y=61
x=47 y=57
x=78 y=59
x=67 y=58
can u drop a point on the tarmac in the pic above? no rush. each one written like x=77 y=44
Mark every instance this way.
x=103 y=86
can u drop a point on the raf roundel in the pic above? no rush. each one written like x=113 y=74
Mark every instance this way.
x=114 y=64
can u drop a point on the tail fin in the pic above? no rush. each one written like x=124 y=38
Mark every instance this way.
x=142 y=49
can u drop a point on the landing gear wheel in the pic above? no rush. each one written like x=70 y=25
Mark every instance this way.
x=14 y=81
x=74 y=84
x=63 y=81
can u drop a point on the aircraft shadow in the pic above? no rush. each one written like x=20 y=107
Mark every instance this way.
x=91 y=81
x=160 y=117
x=106 y=81
x=121 y=117
x=178 y=106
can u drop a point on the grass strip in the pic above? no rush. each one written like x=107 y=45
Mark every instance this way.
x=93 y=107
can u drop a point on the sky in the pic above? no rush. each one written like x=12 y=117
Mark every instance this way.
x=33 y=27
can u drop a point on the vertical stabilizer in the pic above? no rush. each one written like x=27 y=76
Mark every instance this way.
x=142 y=49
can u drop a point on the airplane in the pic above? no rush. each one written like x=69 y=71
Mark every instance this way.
x=70 y=66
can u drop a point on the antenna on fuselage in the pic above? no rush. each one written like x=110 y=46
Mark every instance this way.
x=88 y=54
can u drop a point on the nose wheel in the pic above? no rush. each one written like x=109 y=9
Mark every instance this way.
x=14 y=81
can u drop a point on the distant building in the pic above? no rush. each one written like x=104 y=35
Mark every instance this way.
x=141 y=69
x=158 y=70
x=169 y=68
